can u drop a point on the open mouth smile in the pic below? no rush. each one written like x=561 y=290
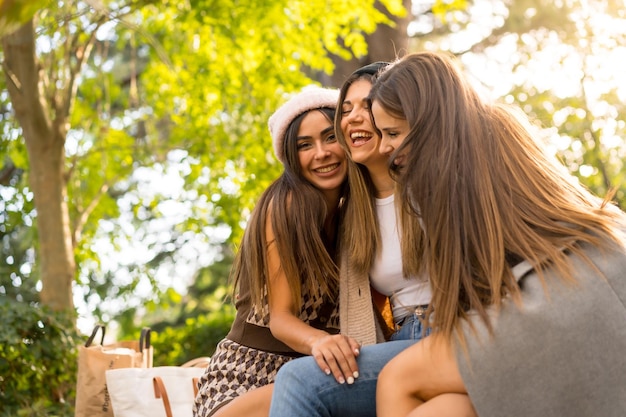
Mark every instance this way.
x=326 y=169
x=359 y=138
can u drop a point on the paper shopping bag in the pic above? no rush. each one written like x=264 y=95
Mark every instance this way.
x=92 y=397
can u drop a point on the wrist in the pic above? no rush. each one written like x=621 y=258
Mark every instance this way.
x=313 y=340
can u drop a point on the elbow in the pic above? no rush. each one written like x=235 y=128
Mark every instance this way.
x=275 y=326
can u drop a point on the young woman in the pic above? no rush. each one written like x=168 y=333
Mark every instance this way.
x=372 y=230
x=285 y=272
x=374 y=244
x=527 y=266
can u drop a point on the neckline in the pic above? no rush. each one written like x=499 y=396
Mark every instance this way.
x=384 y=200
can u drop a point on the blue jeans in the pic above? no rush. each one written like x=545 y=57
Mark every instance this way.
x=412 y=328
x=302 y=390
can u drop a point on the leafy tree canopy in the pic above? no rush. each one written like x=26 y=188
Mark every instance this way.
x=167 y=89
x=13 y=13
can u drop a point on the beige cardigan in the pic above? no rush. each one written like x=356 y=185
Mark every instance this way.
x=356 y=309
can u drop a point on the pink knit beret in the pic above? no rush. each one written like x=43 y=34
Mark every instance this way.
x=308 y=99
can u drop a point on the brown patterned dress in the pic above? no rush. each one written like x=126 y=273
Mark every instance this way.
x=249 y=357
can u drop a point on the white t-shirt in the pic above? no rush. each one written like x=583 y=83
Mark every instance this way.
x=386 y=273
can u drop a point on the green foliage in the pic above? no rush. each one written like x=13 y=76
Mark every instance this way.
x=197 y=337
x=198 y=77
x=17 y=280
x=38 y=361
x=442 y=9
x=14 y=13
x=199 y=80
x=188 y=326
x=217 y=104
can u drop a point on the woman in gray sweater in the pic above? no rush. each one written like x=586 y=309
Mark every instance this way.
x=527 y=266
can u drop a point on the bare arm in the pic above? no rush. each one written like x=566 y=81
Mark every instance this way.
x=428 y=373
x=334 y=354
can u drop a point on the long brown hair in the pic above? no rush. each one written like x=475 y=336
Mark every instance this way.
x=360 y=233
x=485 y=189
x=297 y=211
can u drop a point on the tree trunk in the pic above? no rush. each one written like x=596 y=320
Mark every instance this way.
x=385 y=44
x=45 y=143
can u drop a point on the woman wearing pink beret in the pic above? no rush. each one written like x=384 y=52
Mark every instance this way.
x=285 y=273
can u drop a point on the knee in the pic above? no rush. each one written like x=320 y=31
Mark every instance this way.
x=298 y=372
x=297 y=386
x=386 y=380
x=394 y=371
x=287 y=374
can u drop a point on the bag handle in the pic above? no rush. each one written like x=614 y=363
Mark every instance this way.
x=144 y=339
x=93 y=335
x=199 y=362
x=195 y=381
x=144 y=347
x=161 y=392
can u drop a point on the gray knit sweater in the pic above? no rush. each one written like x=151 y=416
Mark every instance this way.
x=561 y=354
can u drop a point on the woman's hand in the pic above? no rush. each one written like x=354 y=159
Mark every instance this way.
x=336 y=355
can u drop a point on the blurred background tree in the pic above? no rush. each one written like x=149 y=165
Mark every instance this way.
x=134 y=143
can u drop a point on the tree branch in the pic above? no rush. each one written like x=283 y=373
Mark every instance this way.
x=83 y=215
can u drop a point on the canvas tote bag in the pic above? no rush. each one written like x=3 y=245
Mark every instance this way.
x=162 y=391
x=92 y=396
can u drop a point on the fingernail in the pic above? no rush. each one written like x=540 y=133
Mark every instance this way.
x=350 y=380
x=342 y=381
x=356 y=351
x=327 y=371
x=355 y=374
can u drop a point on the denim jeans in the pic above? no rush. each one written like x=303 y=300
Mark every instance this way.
x=412 y=328
x=302 y=390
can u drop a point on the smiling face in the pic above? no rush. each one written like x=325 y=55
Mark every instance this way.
x=394 y=130
x=356 y=124
x=321 y=158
